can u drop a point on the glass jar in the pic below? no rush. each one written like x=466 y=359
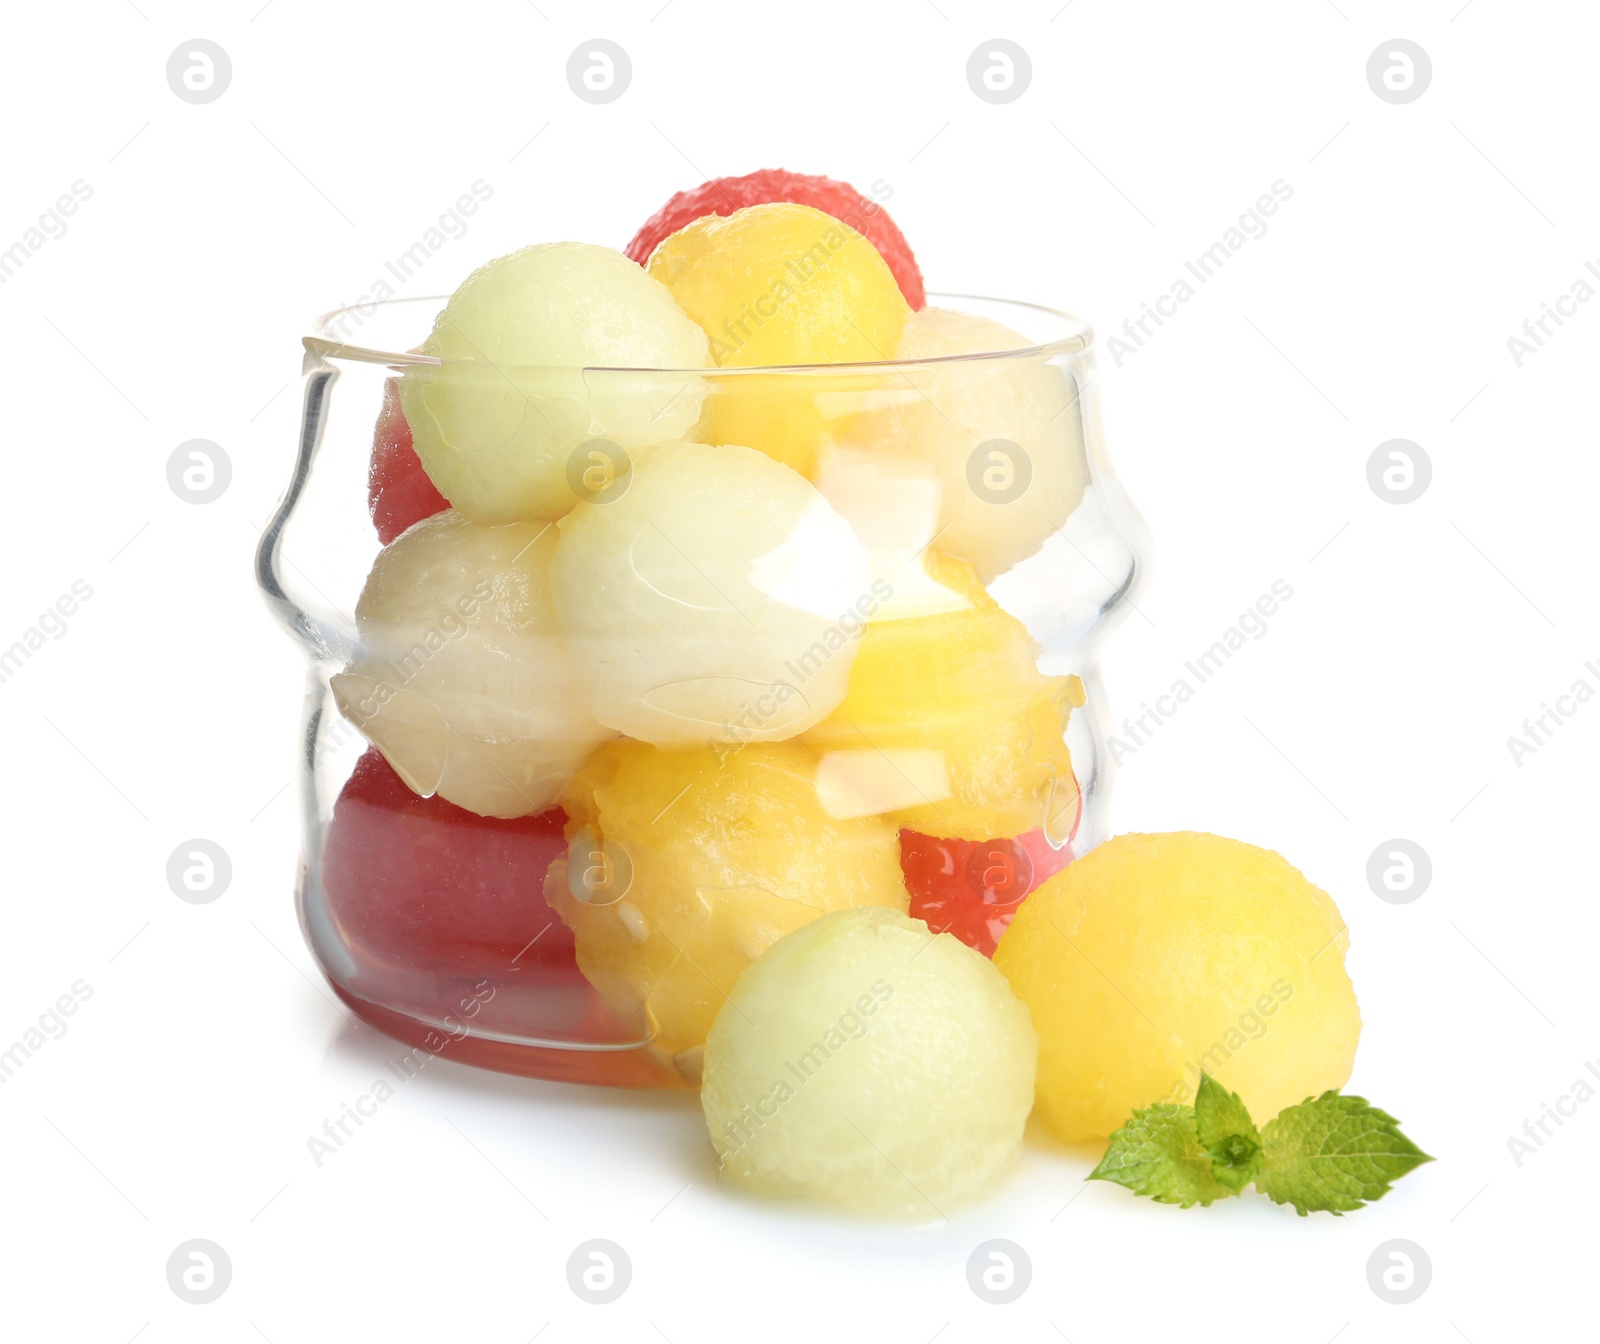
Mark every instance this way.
x=764 y=642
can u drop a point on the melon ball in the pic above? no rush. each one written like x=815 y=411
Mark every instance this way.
x=526 y=341
x=718 y=599
x=947 y=724
x=781 y=284
x=684 y=866
x=1156 y=957
x=867 y=1062
x=461 y=679
x=1002 y=438
x=724 y=195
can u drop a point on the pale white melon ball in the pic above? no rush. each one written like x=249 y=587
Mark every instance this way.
x=718 y=599
x=1001 y=439
x=461 y=680
x=863 y=1061
x=525 y=341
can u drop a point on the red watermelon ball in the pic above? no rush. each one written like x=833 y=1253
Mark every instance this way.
x=724 y=195
x=399 y=492
x=972 y=888
x=419 y=882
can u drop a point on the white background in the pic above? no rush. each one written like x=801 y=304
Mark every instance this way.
x=1419 y=637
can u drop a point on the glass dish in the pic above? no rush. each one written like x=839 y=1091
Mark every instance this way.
x=966 y=752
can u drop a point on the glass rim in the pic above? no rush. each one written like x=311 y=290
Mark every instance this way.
x=327 y=343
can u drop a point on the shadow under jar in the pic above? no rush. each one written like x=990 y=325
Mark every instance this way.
x=755 y=644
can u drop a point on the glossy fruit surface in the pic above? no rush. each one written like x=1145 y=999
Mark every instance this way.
x=781 y=285
x=1154 y=957
x=505 y=424
x=399 y=492
x=865 y=1062
x=461 y=678
x=948 y=726
x=724 y=195
x=443 y=911
x=1001 y=441
x=704 y=604
x=972 y=888
x=419 y=881
x=684 y=866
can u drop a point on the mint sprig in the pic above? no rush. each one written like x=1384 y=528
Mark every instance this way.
x=1330 y=1153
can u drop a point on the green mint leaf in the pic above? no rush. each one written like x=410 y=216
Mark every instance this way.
x=1333 y=1153
x=1158 y=1153
x=1226 y=1131
x=1219 y=1114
